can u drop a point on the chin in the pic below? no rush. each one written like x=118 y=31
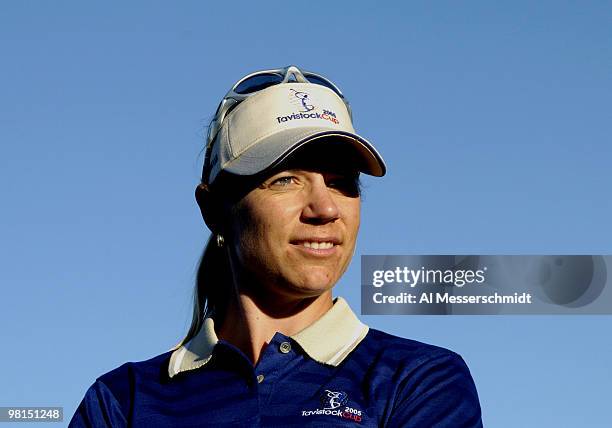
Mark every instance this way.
x=317 y=284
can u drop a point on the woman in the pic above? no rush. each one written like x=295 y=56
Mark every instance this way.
x=268 y=345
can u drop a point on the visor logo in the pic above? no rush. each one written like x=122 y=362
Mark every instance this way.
x=303 y=97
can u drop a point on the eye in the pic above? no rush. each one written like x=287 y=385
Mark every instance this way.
x=283 y=181
x=346 y=185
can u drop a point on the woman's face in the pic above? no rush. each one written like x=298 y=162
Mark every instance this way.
x=294 y=235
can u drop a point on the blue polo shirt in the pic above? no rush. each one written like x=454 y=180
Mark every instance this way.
x=335 y=373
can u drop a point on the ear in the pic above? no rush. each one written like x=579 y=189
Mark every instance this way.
x=209 y=207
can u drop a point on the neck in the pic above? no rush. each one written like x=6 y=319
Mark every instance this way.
x=250 y=325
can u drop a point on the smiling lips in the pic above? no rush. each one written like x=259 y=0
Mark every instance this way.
x=317 y=244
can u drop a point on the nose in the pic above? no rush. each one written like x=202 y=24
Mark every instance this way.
x=320 y=206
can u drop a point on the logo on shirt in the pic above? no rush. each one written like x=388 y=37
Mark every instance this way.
x=333 y=403
x=333 y=399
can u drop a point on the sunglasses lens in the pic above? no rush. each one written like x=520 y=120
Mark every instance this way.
x=323 y=82
x=257 y=83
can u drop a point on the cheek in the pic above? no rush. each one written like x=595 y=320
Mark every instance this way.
x=246 y=232
x=256 y=233
x=352 y=212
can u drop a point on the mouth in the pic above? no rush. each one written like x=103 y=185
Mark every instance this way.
x=317 y=246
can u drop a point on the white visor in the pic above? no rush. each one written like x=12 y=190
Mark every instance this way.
x=270 y=125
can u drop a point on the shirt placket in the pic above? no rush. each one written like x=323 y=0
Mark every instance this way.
x=233 y=358
x=277 y=357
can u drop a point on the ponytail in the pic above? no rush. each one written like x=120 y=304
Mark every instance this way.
x=212 y=287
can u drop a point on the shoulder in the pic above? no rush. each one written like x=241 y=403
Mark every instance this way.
x=151 y=369
x=386 y=348
x=421 y=381
x=407 y=360
x=111 y=396
x=123 y=381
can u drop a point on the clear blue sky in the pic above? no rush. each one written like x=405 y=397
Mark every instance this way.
x=494 y=118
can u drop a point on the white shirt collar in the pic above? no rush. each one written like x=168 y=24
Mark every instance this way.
x=328 y=340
